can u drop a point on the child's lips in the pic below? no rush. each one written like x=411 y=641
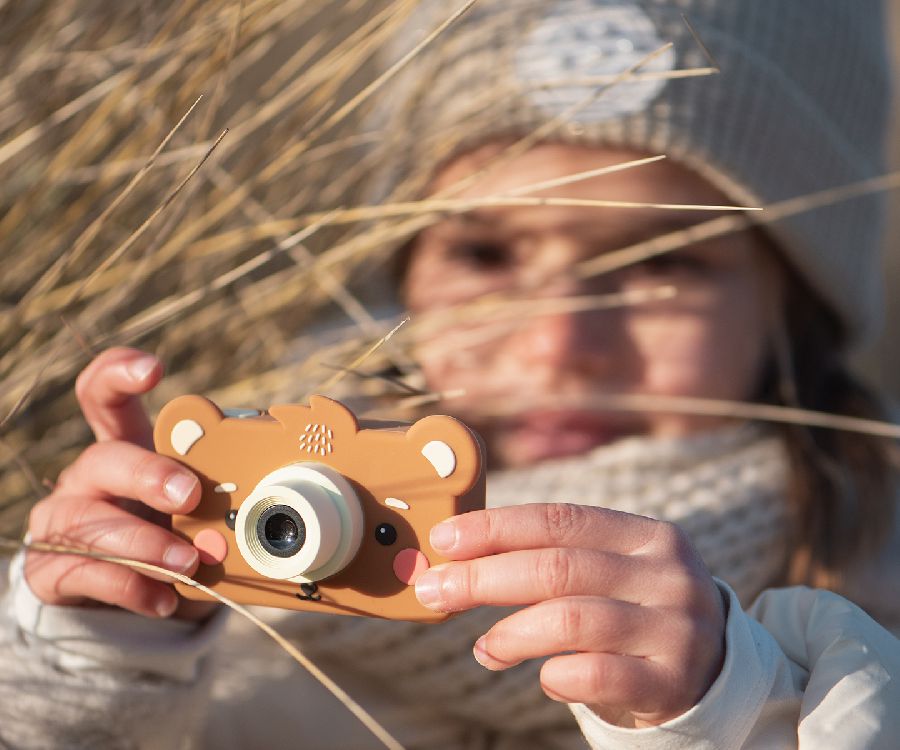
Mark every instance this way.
x=555 y=434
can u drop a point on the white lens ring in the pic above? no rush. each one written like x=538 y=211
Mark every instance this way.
x=331 y=513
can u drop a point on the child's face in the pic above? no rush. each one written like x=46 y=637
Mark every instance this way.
x=710 y=340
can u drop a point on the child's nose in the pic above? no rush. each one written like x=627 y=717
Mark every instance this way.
x=566 y=329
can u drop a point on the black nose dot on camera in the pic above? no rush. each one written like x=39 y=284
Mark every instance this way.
x=230 y=519
x=385 y=534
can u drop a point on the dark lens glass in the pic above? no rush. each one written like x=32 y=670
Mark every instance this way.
x=281 y=531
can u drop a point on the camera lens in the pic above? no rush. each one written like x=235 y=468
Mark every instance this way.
x=281 y=531
x=302 y=522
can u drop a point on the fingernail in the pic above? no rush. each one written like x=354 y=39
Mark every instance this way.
x=428 y=588
x=180 y=557
x=140 y=368
x=480 y=653
x=486 y=660
x=166 y=605
x=178 y=487
x=443 y=536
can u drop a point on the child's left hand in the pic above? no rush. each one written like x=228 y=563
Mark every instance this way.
x=624 y=604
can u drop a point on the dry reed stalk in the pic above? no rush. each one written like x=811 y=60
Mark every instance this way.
x=178 y=36
x=437 y=206
x=703 y=407
x=245 y=282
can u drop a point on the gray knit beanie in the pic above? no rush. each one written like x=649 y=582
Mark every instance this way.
x=800 y=105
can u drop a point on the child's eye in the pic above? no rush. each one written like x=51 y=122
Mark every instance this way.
x=481 y=255
x=671 y=263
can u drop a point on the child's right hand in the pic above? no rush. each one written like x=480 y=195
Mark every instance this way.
x=117 y=498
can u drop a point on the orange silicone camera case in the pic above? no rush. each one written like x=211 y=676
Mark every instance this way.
x=408 y=476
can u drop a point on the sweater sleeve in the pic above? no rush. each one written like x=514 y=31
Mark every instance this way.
x=803 y=669
x=98 y=677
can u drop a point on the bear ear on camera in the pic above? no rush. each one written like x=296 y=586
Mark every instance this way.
x=452 y=450
x=183 y=421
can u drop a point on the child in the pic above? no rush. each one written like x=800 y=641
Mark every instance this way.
x=645 y=646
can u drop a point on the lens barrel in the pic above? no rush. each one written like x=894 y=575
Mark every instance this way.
x=302 y=522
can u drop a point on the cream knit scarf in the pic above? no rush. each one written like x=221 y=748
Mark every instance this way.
x=725 y=488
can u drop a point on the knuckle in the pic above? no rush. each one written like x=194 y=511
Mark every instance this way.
x=598 y=680
x=39 y=516
x=83 y=384
x=670 y=537
x=87 y=381
x=561 y=520
x=68 y=578
x=55 y=521
x=86 y=464
x=69 y=522
x=681 y=586
x=87 y=378
x=466 y=583
x=146 y=471
x=133 y=538
x=492 y=524
x=131 y=587
x=569 y=621
x=554 y=568
x=122 y=586
x=93 y=453
x=64 y=477
x=684 y=638
x=142 y=540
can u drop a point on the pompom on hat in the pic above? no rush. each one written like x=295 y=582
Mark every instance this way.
x=800 y=105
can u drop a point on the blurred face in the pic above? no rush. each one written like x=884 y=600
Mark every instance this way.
x=529 y=335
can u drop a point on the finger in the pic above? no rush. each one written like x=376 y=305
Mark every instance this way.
x=85 y=523
x=530 y=576
x=620 y=684
x=109 y=583
x=109 y=391
x=487 y=532
x=119 y=469
x=578 y=623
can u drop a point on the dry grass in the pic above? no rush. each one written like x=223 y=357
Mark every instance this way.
x=108 y=236
x=129 y=215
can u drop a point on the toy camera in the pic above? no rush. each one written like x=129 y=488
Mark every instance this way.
x=305 y=507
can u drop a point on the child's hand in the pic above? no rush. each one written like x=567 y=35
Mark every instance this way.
x=623 y=604
x=115 y=498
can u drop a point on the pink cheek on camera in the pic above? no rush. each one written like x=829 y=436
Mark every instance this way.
x=409 y=564
x=212 y=546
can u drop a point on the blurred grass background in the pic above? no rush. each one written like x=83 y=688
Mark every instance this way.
x=220 y=278
x=225 y=277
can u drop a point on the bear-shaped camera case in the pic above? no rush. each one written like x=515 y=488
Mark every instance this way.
x=306 y=507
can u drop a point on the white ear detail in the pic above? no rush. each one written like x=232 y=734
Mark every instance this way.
x=441 y=457
x=393 y=502
x=184 y=435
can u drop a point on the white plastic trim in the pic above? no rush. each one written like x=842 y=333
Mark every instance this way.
x=441 y=457
x=184 y=435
